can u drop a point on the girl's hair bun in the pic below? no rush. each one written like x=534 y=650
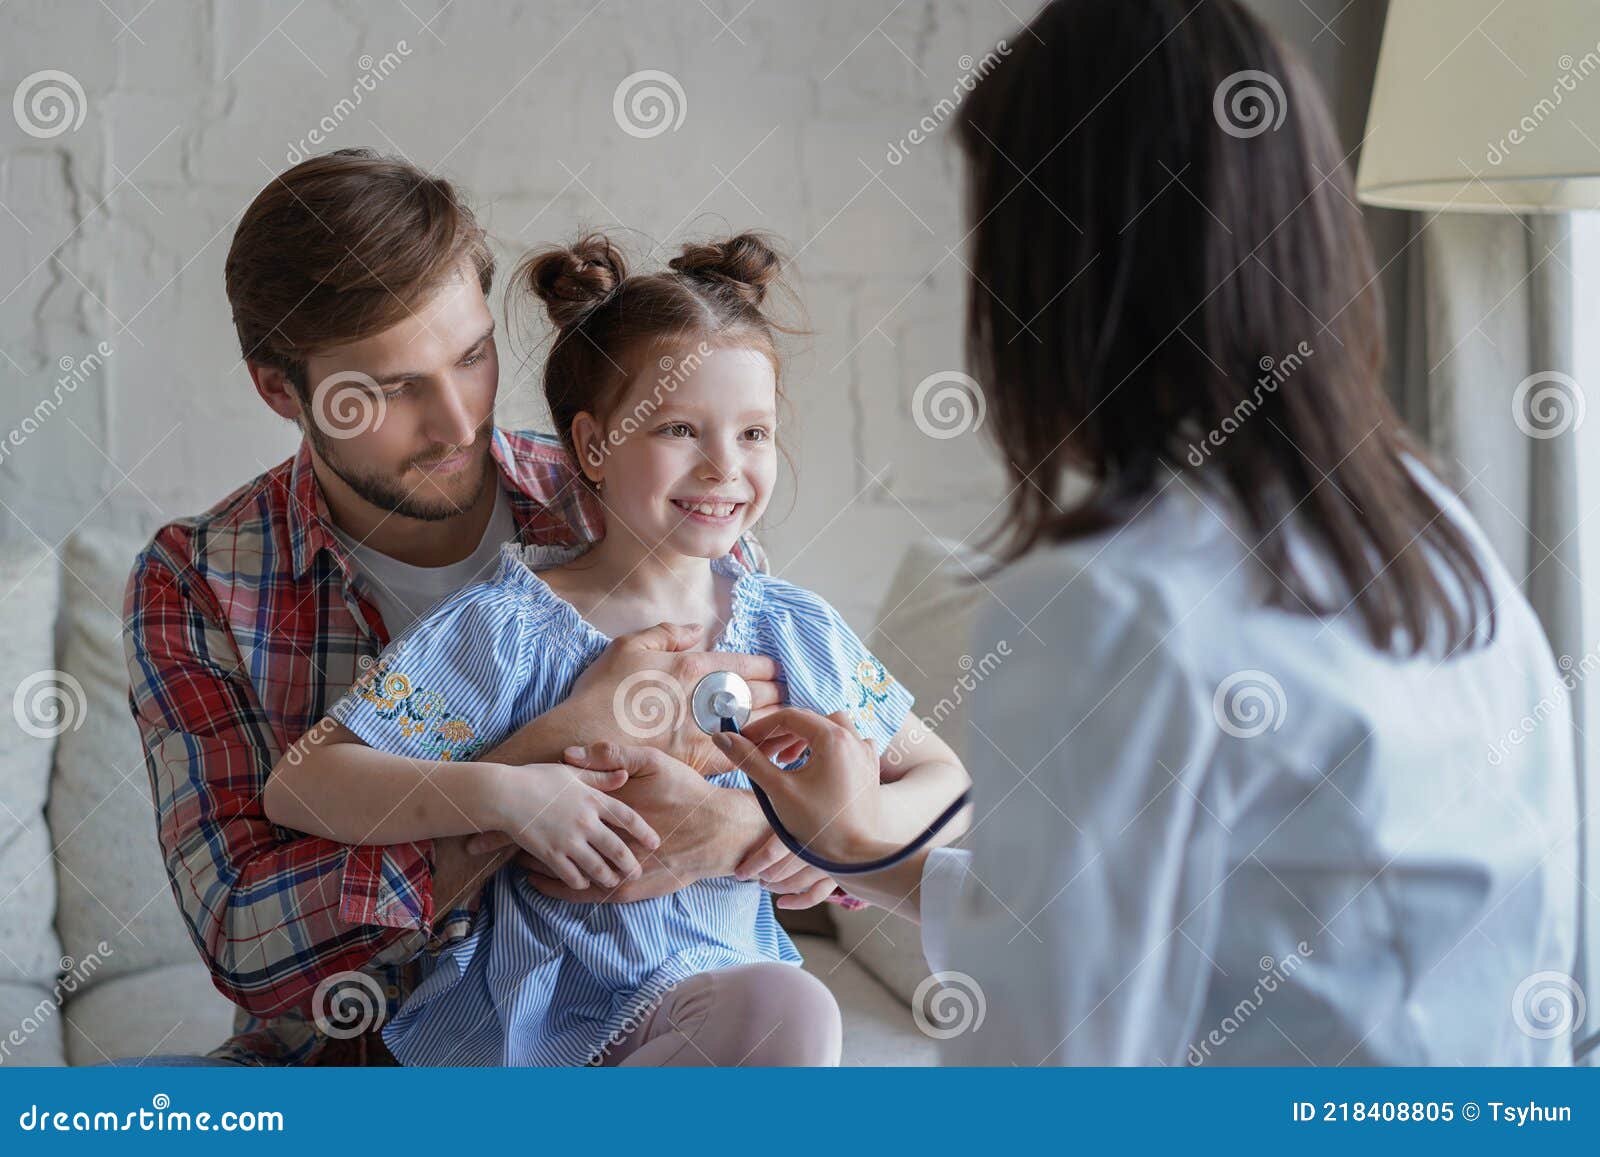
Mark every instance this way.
x=572 y=279
x=745 y=264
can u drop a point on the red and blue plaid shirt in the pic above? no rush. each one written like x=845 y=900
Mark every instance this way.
x=242 y=626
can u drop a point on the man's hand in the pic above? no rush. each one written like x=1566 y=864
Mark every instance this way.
x=638 y=691
x=705 y=830
x=459 y=874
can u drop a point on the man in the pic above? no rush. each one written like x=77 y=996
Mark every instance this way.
x=358 y=286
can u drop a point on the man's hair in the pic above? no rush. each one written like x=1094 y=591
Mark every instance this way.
x=340 y=247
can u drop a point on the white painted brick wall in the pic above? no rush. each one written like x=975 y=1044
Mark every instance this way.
x=116 y=231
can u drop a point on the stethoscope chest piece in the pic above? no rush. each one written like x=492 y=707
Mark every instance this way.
x=718 y=697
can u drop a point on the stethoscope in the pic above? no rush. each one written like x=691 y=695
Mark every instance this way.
x=722 y=702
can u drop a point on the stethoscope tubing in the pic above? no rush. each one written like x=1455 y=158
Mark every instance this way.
x=842 y=867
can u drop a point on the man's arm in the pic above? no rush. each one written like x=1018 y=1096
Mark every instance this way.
x=269 y=915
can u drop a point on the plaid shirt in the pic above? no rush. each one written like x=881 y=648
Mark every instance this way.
x=242 y=626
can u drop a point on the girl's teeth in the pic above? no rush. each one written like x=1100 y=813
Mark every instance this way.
x=714 y=509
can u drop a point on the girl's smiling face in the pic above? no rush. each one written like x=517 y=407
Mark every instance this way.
x=687 y=456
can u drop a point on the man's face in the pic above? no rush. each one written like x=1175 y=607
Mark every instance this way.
x=404 y=417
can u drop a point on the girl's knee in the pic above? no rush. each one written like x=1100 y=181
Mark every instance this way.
x=784 y=1015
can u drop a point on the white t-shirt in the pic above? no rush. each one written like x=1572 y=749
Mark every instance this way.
x=404 y=593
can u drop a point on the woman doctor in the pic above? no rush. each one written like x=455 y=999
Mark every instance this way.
x=1242 y=788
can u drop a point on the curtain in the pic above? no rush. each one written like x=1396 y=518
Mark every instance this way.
x=1489 y=302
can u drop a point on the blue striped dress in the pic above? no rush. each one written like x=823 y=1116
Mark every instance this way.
x=540 y=981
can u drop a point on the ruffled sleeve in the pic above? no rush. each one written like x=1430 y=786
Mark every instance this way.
x=448 y=687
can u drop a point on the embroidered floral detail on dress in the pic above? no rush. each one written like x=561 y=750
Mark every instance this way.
x=872 y=683
x=420 y=713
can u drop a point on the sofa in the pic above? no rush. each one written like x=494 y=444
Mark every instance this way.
x=95 y=962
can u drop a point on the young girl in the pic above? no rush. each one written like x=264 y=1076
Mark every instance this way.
x=665 y=387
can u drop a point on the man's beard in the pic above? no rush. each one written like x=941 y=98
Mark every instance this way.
x=424 y=501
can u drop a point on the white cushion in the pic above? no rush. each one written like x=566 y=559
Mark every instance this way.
x=36 y=703
x=166 y=1010
x=175 y=1009
x=878 y=1029
x=924 y=632
x=922 y=637
x=33 y=1027
x=886 y=945
x=113 y=884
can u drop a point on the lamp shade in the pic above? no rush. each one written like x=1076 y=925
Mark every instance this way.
x=1485 y=106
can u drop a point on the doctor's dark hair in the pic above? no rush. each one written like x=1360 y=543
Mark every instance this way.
x=1168 y=269
x=612 y=326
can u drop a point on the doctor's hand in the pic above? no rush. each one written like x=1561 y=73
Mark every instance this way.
x=833 y=804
